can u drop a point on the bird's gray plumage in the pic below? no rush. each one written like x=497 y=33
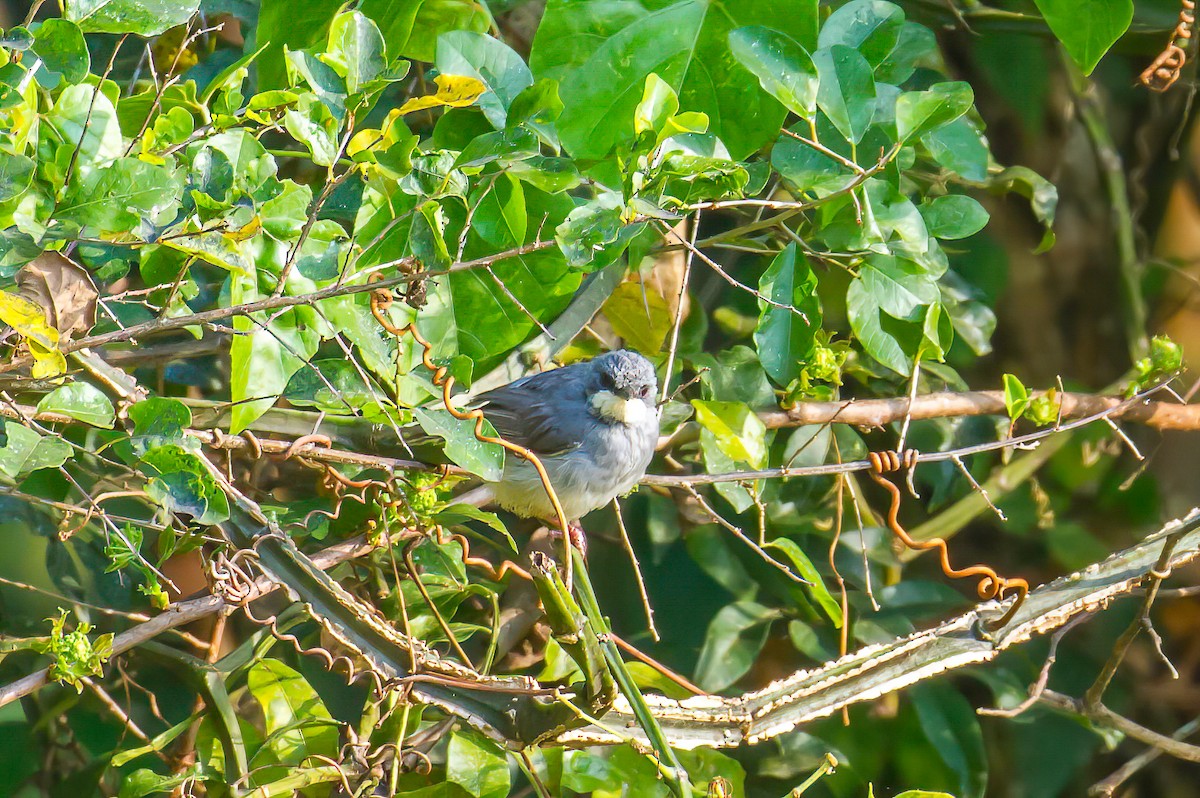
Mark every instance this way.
x=594 y=426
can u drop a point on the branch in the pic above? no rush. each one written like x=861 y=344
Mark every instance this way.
x=879 y=412
x=275 y=303
x=185 y=612
x=878 y=670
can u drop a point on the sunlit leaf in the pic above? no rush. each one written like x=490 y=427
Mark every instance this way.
x=453 y=91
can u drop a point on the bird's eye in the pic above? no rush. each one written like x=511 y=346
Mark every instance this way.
x=607 y=381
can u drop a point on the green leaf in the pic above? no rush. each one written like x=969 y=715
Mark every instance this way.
x=923 y=794
x=477 y=765
x=485 y=460
x=899 y=287
x=872 y=27
x=120 y=196
x=959 y=147
x=412 y=28
x=734 y=638
x=180 y=483
x=918 y=112
x=1016 y=396
x=954 y=216
x=266 y=353
x=16 y=175
x=601 y=52
x=355 y=50
x=490 y=61
x=26 y=451
x=783 y=337
x=158 y=420
x=143 y=17
x=1087 y=28
x=808 y=572
x=783 y=67
x=82 y=401
x=867 y=324
x=144 y=782
x=847 y=90
x=739 y=432
x=952 y=728
x=297 y=723
x=595 y=233
x=59 y=44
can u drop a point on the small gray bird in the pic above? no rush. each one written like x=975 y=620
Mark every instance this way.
x=594 y=426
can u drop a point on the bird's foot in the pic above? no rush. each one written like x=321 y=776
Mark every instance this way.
x=575 y=534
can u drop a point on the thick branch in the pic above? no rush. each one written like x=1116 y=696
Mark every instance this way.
x=875 y=671
x=878 y=412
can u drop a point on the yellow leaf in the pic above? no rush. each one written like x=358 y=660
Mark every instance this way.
x=455 y=91
x=363 y=141
x=29 y=320
x=246 y=231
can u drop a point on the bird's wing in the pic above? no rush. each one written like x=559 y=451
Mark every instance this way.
x=546 y=413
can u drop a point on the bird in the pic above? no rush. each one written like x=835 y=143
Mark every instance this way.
x=593 y=425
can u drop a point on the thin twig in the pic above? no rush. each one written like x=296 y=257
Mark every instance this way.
x=637 y=572
x=679 y=302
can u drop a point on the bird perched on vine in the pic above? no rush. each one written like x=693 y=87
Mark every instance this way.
x=593 y=425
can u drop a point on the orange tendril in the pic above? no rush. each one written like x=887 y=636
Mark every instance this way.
x=1165 y=70
x=991 y=584
x=381 y=300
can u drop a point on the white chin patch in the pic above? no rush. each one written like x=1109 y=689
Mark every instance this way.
x=628 y=411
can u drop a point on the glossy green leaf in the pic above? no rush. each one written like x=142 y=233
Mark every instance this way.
x=918 y=112
x=847 y=90
x=732 y=642
x=738 y=430
x=483 y=459
x=602 y=52
x=477 y=765
x=297 y=723
x=26 y=451
x=783 y=67
x=355 y=49
x=867 y=322
x=264 y=357
x=959 y=147
x=16 y=175
x=180 y=483
x=412 y=28
x=143 y=17
x=489 y=61
x=899 y=287
x=123 y=194
x=784 y=337
x=873 y=27
x=60 y=45
x=805 y=569
x=159 y=420
x=82 y=401
x=1087 y=28
x=954 y=216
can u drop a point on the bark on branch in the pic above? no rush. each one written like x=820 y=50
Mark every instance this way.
x=878 y=412
x=874 y=671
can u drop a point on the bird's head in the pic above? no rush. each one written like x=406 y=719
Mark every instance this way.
x=624 y=387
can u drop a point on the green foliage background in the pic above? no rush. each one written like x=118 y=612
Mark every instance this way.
x=835 y=168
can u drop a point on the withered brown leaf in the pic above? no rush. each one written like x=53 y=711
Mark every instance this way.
x=63 y=289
